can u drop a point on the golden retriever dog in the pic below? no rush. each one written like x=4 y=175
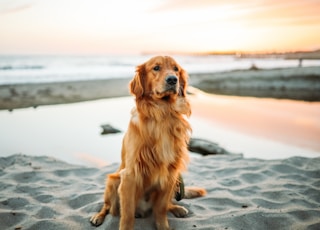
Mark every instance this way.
x=154 y=149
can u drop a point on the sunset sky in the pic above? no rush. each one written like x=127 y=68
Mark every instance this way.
x=131 y=27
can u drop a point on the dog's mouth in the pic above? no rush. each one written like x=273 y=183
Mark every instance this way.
x=171 y=90
x=167 y=92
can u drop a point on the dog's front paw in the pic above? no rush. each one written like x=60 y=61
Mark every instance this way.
x=97 y=219
x=179 y=211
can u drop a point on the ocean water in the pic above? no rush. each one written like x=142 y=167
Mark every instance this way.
x=34 y=69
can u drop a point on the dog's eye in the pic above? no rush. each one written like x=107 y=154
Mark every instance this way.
x=175 y=69
x=156 y=68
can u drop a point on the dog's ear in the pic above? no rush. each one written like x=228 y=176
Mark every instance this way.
x=136 y=85
x=183 y=83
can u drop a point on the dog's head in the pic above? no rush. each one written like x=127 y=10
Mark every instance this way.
x=160 y=78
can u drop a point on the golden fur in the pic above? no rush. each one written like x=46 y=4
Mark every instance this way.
x=154 y=149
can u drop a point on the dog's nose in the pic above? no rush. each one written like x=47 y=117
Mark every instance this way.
x=172 y=80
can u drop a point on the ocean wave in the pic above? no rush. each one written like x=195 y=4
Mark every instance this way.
x=36 y=69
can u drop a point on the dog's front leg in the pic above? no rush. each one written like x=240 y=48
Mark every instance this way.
x=127 y=193
x=161 y=208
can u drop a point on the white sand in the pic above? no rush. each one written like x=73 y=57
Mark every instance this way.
x=45 y=193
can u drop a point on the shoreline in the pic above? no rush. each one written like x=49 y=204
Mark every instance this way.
x=297 y=83
x=294 y=123
x=37 y=94
x=256 y=128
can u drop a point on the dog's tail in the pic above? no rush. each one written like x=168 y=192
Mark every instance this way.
x=193 y=192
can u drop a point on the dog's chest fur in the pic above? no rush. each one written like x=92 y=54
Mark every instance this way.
x=163 y=143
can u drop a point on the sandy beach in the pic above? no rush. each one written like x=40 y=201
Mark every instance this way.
x=53 y=159
x=45 y=193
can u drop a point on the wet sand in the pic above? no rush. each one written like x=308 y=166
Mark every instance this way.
x=300 y=83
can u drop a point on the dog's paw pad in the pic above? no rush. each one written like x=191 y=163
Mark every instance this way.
x=96 y=220
x=179 y=211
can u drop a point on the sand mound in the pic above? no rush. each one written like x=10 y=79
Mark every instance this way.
x=45 y=193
